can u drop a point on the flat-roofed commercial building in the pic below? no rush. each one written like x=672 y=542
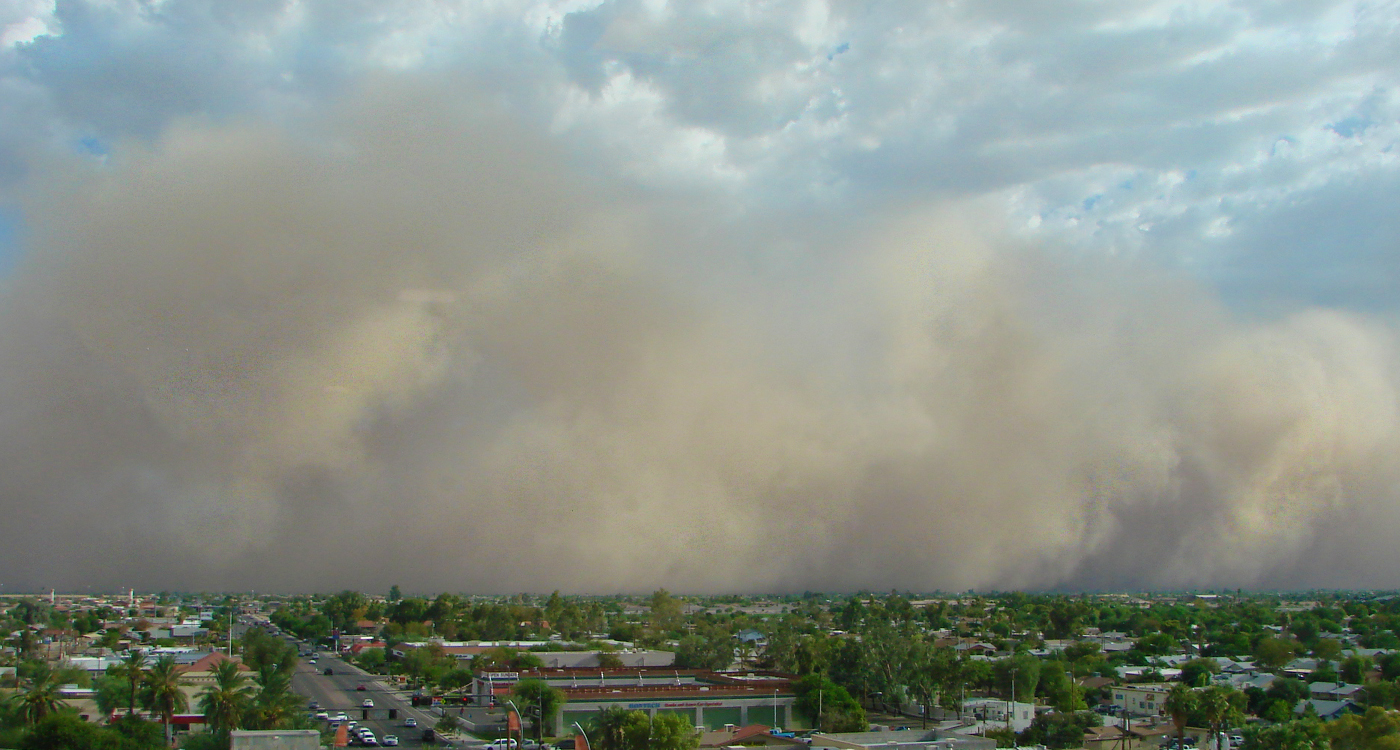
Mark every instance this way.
x=708 y=699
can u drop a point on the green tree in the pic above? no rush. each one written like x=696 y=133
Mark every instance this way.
x=262 y=650
x=539 y=701
x=1355 y=668
x=275 y=705
x=1390 y=665
x=713 y=651
x=1377 y=729
x=1273 y=653
x=1197 y=672
x=924 y=673
x=1327 y=649
x=371 y=659
x=41 y=699
x=1026 y=671
x=132 y=669
x=673 y=732
x=828 y=706
x=665 y=611
x=109 y=693
x=1223 y=707
x=607 y=728
x=1181 y=702
x=66 y=731
x=163 y=694
x=1305 y=734
x=224 y=702
x=1058 y=730
x=636 y=731
x=139 y=733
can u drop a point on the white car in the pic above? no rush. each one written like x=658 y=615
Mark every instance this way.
x=410 y=722
x=503 y=744
x=342 y=716
x=391 y=740
x=367 y=703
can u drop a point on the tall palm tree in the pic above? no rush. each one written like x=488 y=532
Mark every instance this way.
x=1221 y=705
x=224 y=702
x=133 y=670
x=163 y=693
x=40 y=700
x=1181 y=700
x=275 y=704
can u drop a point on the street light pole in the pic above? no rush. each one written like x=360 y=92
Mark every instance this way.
x=518 y=718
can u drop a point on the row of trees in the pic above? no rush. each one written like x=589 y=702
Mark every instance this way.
x=619 y=729
x=261 y=698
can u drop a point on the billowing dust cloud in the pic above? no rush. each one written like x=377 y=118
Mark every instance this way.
x=415 y=344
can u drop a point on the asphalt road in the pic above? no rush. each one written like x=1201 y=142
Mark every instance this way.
x=339 y=692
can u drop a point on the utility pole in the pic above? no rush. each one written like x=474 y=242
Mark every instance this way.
x=1011 y=709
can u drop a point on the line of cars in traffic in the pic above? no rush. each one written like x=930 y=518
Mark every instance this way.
x=356 y=734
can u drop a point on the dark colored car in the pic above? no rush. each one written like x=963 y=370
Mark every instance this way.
x=360 y=686
x=329 y=671
x=429 y=735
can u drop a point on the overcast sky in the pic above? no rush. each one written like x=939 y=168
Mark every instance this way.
x=717 y=296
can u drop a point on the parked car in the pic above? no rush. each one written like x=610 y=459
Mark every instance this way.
x=503 y=744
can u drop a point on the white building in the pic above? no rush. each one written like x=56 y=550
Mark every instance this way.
x=993 y=711
x=1140 y=700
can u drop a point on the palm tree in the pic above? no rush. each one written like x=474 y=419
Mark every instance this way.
x=1181 y=700
x=133 y=670
x=40 y=700
x=275 y=704
x=163 y=693
x=1221 y=707
x=223 y=702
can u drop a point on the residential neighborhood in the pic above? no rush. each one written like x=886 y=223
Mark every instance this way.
x=625 y=673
